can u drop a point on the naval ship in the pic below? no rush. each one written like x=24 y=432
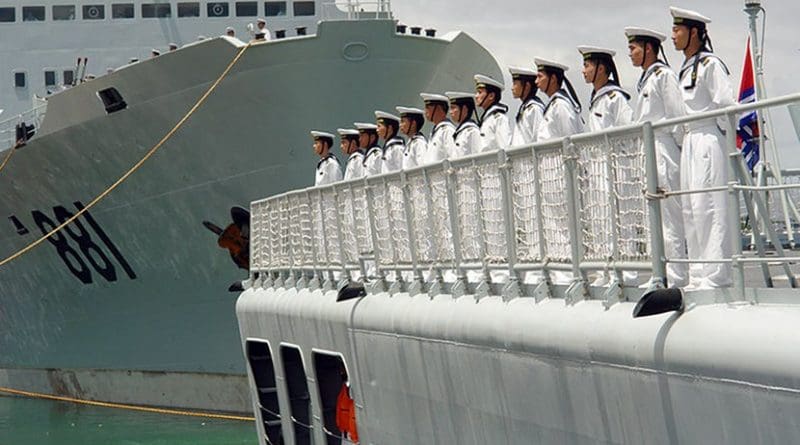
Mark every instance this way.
x=422 y=302
x=130 y=302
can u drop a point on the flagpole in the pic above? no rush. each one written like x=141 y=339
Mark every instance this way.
x=753 y=8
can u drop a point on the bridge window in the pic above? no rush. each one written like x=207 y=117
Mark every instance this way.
x=20 y=79
x=122 y=11
x=64 y=12
x=156 y=10
x=246 y=9
x=303 y=8
x=218 y=9
x=69 y=77
x=259 y=357
x=33 y=13
x=49 y=78
x=94 y=12
x=275 y=9
x=299 y=398
x=188 y=9
x=8 y=15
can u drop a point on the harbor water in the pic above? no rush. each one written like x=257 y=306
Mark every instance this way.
x=40 y=422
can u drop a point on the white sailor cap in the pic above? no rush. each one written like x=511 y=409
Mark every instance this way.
x=345 y=132
x=518 y=72
x=173 y=46
x=457 y=97
x=636 y=33
x=433 y=98
x=545 y=63
x=592 y=52
x=682 y=16
x=321 y=135
x=155 y=51
x=406 y=111
x=382 y=116
x=482 y=81
x=364 y=126
x=229 y=29
x=261 y=20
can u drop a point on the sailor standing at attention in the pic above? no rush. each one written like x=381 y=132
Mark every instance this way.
x=349 y=145
x=705 y=86
x=467 y=136
x=561 y=116
x=660 y=98
x=328 y=169
x=529 y=116
x=441 y=142
x=393 y=145
x=411 y=122
x=609 y=102
x=368 y=142
x=495 y=130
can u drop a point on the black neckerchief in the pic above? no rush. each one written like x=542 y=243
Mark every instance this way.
x=693 y=62
x=561 y=94
x=355 y=153
x=649 y=72
x=464 y=125
x=374 y=149
x=441 y=125
x=419 y=135
x=606 y=90
x=394 y=140
x=326 y=158
x=494 y=109
x=533 y=100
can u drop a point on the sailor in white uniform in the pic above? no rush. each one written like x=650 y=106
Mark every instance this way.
x=562 y=114
x=660 y=98
x=467 y=136
x=368 y=142
x=441 y=142
x=529 y=116
x=328 y=168
x=349 y=145
x=704 y=163
x=411 y=122
x=495 y=130
x=393 y=145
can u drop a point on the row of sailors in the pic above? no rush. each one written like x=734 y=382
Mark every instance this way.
x=687 y=158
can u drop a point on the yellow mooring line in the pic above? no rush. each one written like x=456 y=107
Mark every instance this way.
x=147 y=409
x=135 y=167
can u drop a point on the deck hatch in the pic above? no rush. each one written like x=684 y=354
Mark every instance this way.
x=112 y=100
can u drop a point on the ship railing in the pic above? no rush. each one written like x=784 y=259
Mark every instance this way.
x=358 y=10
x=553 y=213
x=33 y=116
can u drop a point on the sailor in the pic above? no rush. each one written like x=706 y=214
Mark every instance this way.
x=411 y=122
x=467 y=136
x=154 y=53
x=660 y=98
x=229 y=31
x=495 y=130
x=328 y=169
x=368 y=142
x=441 y=142
x=355 y=161
x=561 y=116
x=705 y=86
x=261 y=32
x=609 y=102
x=529 y=116
x=173 y=46
x=393 y=145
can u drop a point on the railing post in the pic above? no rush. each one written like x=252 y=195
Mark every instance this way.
x=512 y=289
x=659 y=278
x=733 y=206
x=459 y=287
x=416 y=286
x=577 y=289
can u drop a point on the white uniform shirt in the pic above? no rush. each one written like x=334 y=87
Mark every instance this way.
x=528 y=120
x=393 y=155
x=561 y=118
x=328 y=171
x=414 y=151
x=495 y=130
x=373 y=161
x=467 y=140
x=660 y=98
x=716 y=91
x=609 y=108
x=355 y=166
x=442 y=142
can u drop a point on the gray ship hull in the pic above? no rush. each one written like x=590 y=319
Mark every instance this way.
x=141 y=285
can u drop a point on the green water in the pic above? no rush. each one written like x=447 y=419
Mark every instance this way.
x=39 y=422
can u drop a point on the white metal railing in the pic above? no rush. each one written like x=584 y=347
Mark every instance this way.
x=33 y=116
x=357 y=10
x=586 y=203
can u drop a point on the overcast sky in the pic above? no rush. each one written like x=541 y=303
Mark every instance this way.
x=516 y=31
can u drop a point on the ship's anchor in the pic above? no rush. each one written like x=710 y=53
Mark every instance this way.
x=235 y=238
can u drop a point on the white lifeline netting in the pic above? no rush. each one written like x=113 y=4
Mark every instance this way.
x=594 y=200
x=344 y=204
x=442 y=233
x=555 y=215
x=468 y=216
x=523 y=189
x=363 y=231
x=259 y=245
x=397 y=222
x=628 y=168
x=492 y=218
x=331 y=226
x=379 y=198
x=421 y=218
x=298 y=211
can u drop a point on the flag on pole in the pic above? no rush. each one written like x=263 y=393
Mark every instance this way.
x=748 y=132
